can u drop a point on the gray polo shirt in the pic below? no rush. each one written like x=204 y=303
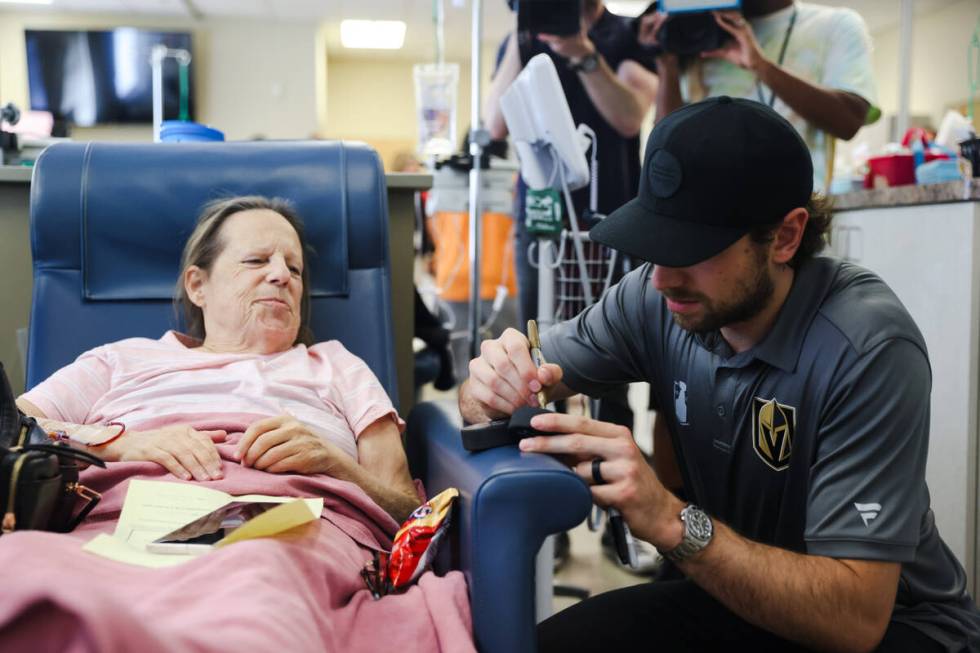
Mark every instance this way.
x=814 y=440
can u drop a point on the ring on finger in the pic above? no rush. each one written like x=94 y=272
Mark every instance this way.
x=597 y=471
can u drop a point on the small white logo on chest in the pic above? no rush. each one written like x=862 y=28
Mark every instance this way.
x=680 y=402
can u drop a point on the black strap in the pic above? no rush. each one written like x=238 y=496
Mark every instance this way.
x=503 y=432
x=782 y=57
x=478 y=437
x=65 y=451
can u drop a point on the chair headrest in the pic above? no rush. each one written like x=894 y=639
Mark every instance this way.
x=120 y=262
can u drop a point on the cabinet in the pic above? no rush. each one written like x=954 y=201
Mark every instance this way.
x=930 y=256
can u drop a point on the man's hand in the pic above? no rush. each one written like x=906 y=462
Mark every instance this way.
x=630 y=484
x=504 y=377
x=649 y=30
x=574 y=47
x=284 y=444
x=743 y=50
x=184 y=451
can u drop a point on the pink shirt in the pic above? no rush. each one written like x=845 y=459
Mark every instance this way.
x=148 y=384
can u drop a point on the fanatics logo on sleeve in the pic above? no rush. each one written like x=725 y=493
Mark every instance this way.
x=773 y=429
x=868 y=511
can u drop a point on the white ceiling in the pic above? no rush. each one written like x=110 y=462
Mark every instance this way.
x=420 y=37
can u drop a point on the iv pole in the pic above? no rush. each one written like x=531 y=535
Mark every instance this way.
x=479 y=138
x=157 y=55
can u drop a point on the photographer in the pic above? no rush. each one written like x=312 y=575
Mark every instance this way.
x=608 y=82
x=810 y=63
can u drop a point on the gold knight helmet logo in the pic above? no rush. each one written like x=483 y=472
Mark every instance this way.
x=773 y=429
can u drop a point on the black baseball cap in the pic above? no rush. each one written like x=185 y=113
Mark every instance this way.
x=712 y=171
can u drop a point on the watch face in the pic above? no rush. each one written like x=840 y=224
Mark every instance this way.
x=698 y=524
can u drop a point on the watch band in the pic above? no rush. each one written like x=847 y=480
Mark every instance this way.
x=586 y=64
x=698 y=530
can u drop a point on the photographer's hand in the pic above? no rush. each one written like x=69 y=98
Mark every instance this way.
x=743 y=50
x=622 y=96
x=649 y=28
x=840 y=113
x=572 y=47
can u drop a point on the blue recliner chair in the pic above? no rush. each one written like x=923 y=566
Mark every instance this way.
x=108 y=223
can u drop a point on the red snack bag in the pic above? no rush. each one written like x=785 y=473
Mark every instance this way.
x=417 y=540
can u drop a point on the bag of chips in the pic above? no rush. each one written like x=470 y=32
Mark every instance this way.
x=417 y=540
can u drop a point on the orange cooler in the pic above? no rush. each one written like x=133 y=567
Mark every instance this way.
x=449 y=225
x=451 y=236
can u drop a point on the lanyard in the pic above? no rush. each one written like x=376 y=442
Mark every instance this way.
x=782 y=56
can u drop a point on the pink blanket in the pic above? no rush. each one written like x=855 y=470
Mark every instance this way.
x=299 y=593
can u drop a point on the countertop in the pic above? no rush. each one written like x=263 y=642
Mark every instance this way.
x=951 y=191
x=15 y=174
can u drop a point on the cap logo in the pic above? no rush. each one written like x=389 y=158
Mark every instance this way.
x=664 y=174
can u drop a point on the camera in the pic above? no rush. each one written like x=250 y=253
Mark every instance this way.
x=690 y=27
x=558 y=17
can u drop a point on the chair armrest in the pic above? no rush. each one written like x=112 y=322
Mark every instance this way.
x=509 y=502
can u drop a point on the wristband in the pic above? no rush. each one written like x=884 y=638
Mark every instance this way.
x=89 y=435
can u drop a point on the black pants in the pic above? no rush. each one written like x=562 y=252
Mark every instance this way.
x=677 y=615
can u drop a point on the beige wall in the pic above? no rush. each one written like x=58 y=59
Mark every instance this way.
x=288 y=88
x=373 y=100
x=939 y=60
x=251 y=77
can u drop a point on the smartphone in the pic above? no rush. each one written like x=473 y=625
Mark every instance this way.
x=558 y=17
x=204 y=532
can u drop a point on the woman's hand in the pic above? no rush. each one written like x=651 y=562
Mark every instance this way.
x=183 y=450
x=284 y=444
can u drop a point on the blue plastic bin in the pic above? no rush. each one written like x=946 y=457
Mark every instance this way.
x=176 y=131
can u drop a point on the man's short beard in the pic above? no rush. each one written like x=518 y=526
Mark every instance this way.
x=751 y=297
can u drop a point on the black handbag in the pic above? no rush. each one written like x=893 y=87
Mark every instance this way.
x=39 y=488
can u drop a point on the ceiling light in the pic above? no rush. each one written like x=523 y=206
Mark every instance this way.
x=26 y=2
x=372 y=34
x=627 y=7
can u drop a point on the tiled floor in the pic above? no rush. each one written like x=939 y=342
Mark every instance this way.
x=588 y=568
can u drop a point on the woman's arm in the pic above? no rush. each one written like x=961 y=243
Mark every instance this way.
x=383 y=469
x=284 y=444
x=183 y=450
x=503 y=77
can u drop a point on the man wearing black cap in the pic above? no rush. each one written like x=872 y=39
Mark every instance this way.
x=796 y=389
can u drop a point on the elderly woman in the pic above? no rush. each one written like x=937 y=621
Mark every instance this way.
x=247 y=364
x=245 y=403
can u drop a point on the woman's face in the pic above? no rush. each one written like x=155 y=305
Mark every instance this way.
x=251 y=296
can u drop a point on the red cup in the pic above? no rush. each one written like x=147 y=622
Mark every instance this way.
x=895 y=169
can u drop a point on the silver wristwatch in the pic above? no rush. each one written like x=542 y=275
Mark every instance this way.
x=698 y=530
x=586 y=64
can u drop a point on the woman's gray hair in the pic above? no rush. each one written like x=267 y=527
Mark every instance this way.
x=206 y=244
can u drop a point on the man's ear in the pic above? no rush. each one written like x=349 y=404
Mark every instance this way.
x=194 y=279
x=789 y=235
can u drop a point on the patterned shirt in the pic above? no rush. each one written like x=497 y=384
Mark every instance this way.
x=828 y=46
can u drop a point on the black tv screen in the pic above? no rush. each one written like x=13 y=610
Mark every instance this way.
x=94 y=77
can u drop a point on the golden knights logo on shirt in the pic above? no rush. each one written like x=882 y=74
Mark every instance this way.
x=773 y=430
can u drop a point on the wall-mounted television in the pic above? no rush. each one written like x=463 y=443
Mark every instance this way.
x=96 y=77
